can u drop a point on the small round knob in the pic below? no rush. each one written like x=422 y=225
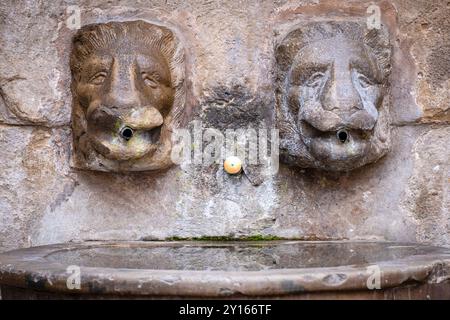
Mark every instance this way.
x=232 y=165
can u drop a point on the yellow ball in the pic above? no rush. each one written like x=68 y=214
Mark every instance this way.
x=232 y=165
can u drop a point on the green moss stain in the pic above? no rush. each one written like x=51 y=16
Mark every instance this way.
x=257 y=237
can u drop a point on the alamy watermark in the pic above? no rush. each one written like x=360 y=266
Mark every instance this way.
x=73 y=21
x=374 y=18
x=73 y=281
x=374 y=279
x=206 y=146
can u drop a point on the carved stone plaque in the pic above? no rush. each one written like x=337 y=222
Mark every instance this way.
x=333 y=95
x=128 y=95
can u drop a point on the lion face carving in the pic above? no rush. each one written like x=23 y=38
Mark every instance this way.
x=127 y=83
x=333 y=102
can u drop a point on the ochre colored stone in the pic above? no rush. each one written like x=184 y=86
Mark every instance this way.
x=127 y=91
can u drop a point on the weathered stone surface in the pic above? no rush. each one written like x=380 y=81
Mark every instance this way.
x=230 y=67
x=424 y=29
x=32 y=178
x=354 y=205
x=427 y=197
x=306 y=204
x=280 y=269
x=30 y=69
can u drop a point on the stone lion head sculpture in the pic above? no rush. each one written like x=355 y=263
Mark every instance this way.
x=333 y=95
x=128 y=95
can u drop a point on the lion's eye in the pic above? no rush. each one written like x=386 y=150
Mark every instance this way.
x=98 y=78
x=150 y=81
x=315 y=80
x=364 y=81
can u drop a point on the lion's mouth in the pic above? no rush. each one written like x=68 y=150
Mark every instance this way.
x=126 y=143
x=341 y=144
x=127 y=133
x=342 y=135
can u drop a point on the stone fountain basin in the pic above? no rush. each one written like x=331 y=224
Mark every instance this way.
x=230 y=269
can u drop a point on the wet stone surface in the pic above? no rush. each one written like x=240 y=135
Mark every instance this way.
x=239 y=256
x=333 y=269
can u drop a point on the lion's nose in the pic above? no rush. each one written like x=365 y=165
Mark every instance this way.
x=341 y=97
x=343 y=102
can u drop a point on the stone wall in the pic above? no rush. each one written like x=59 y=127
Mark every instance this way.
x=229 y=70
